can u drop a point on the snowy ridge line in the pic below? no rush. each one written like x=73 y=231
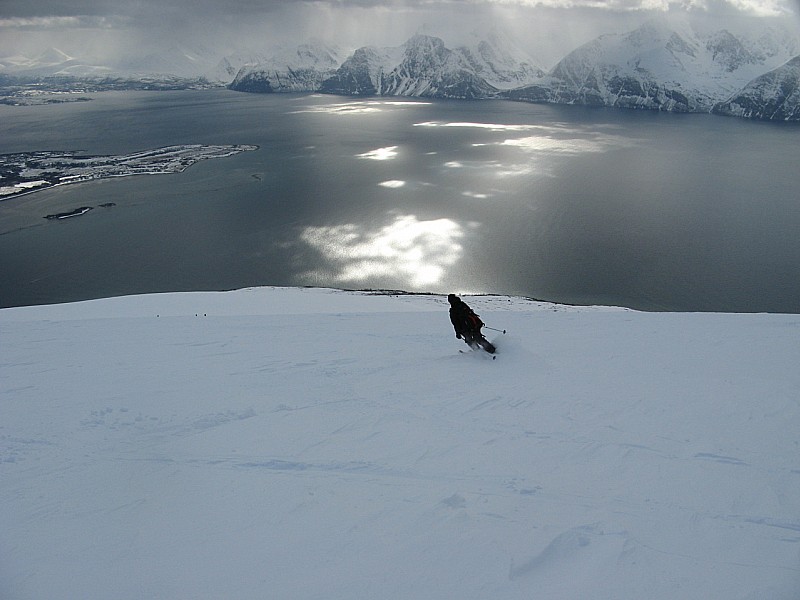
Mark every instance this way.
x=275 y=300
x=390 y=292
x=549 y=304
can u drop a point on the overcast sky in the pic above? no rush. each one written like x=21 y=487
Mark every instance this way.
x=549 y=28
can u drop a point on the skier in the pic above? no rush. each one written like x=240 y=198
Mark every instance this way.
x=467 y=324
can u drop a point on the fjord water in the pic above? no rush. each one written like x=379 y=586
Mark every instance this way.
x=591 y=206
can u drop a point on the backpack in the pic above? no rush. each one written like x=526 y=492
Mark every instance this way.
x=473 y=320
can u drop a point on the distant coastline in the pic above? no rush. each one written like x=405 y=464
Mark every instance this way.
x=28 y=172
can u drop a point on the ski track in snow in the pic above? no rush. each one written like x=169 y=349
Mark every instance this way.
x=300 y=443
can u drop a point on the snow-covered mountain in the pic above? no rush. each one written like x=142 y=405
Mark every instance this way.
x=773 y=96
x=429 y=68
x=176 y=59
x=364 y=72
x=299 y=69
x=423 y=66
x=51 y=62
x=661 y=65
x=229 y=66
x=499 y=60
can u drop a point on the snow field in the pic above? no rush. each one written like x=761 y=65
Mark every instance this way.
x=306 y=443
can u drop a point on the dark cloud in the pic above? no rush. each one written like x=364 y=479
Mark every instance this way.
x=191 y=9
x=103 y=28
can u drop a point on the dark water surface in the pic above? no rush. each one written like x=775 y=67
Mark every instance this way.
x=591 y=206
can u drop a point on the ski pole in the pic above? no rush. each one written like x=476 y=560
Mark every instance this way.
x=493 y=329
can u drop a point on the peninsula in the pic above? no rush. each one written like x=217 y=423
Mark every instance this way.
x=28 y=172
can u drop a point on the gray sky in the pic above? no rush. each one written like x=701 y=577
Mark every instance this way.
x=549 y=28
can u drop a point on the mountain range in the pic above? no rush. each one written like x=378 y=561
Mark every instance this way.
x=663 y=65
x=659 y=66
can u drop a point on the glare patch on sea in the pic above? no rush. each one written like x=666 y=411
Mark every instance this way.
x=387 y=153
x=359 y=107
x=495 y=167
x=487 y=126
x=407 y=249
x=567 y=146
x=392 y=184
x=542 y=145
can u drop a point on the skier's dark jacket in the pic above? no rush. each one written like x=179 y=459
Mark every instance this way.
x=465 y=322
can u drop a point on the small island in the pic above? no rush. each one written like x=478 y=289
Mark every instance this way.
x=28 y=172
x=72 y=213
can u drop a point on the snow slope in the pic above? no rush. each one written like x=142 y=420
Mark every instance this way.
x=308 y=443
x=773 y=96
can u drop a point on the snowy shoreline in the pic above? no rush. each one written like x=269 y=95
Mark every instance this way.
x=310 y=443
x=65 y=168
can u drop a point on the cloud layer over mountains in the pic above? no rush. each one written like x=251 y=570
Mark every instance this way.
x=107 y=30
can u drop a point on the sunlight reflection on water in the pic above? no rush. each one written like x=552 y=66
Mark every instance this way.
x=392 y=183
x=387 y=153
x=538 y=150
x=573 y=146
x=487 y=126
x=407 y=248
x=358 y=107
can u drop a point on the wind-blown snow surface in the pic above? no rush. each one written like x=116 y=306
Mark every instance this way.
x=305 y=443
